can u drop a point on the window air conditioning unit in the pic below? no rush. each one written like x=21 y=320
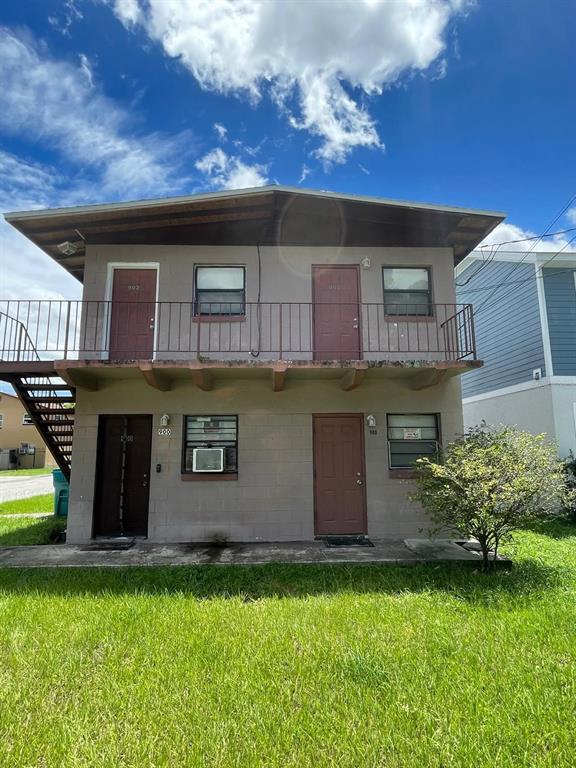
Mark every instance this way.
x=208 y=460
x=26 y=449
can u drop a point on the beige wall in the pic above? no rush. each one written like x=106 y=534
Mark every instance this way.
x=13 y=433
x=273 y=497
x=540 y=408
x=286 y=277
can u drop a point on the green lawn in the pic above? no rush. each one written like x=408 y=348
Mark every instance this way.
x=25 y=472
x=16 y=531
x=43 y=503
x=295 y=666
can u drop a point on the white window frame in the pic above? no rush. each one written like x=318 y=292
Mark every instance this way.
x=27 y=420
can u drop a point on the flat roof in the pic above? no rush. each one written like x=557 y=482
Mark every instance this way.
x=271 y=214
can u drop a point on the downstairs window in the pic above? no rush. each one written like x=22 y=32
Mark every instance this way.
x=411 y=436
x=210 y=432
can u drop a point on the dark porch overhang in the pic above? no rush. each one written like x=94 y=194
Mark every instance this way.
x=273 y=215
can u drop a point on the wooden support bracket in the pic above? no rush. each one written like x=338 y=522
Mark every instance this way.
x=430 y=378
x=353 y=377
x=279 y=377
x=153 y=378
x=202 y=378
x=75 y=378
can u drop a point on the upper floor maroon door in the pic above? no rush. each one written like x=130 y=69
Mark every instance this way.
x=132 y=314
x=335 y=296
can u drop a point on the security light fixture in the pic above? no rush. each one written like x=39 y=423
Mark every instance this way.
x=164 y=420
x=366 y=262
x=371 y=420
x=67 y=248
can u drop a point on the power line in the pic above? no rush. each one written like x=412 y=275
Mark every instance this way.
x=529 y=251
x=519 y=282
x=501 y=298
x=532 y=237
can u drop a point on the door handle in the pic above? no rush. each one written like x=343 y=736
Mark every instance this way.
x=359 y=482
x=355 y=323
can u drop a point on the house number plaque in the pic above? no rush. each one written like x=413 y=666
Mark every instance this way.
x=164 y=431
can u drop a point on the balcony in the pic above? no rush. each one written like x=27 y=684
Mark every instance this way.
x=85 y=340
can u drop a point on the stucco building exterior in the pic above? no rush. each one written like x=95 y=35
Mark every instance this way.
x=21 y=445
x=255 y=365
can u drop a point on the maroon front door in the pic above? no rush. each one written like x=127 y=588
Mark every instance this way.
x=339 y=491
x=132 y=314
x=336 y=313
x=122 y=476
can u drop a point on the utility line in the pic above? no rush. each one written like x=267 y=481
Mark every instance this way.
x=529 y=251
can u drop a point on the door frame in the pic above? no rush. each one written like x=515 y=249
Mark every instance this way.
x=359 y=283
x=97 y=465
x=110 y=269
x=360 y=418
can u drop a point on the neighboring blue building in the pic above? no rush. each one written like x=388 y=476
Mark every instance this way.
x=525 y=313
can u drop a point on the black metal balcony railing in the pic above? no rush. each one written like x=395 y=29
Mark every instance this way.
x=103 y=330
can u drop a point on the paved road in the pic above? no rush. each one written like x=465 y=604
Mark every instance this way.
x=14 y=487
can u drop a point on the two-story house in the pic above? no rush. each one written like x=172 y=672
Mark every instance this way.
x=21 y=445
x=526 y=335
x=263 y=364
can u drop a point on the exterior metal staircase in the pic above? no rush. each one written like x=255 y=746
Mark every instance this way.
x=48 y=400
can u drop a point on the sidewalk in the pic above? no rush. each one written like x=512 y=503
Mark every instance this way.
x=392 y=551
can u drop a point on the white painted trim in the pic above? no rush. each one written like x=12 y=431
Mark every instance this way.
x=574 y=414
x=565 y=259
x=547 y=381
x=111 y=266
x=544 y=321
x=512 y=390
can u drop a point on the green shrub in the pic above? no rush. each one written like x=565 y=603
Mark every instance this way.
x=490 y=482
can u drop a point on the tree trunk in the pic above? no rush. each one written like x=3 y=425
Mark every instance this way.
x=486 y=564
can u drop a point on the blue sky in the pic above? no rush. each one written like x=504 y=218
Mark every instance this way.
x=448 y=101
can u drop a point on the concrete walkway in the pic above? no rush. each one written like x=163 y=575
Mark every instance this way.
x=16 y=487
x=392 y=551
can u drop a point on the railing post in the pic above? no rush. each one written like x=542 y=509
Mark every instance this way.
x=67 y=330
x=280 y=323
x=19 y=350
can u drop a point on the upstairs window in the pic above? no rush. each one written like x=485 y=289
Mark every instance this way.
x=27 y=419
x=410 y=437
x=219 y=291
x=1 y=420
x=210 y=432
x=407 y=291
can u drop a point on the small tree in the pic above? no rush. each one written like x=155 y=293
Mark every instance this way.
x=490 y=482
x=570 y=472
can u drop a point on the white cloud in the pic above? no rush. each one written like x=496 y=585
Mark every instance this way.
x=571 y=215
x=128 y=11
x=304 y=173
x=224 y=171
x=514 y=238
x=221 y=130
x=50 y=101
x=86 y=68
x=317 y=60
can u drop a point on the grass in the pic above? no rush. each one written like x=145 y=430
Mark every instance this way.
x=293 y=666
x=42 y=503
x=17 y=531
x=25 y=472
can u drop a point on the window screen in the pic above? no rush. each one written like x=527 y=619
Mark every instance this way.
x=219 y=291
x=411 y=436
x=407 y=291
x=211 y=432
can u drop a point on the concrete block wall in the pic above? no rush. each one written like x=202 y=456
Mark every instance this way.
x=273 y=496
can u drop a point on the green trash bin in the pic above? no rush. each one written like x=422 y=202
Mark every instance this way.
x=61 y=489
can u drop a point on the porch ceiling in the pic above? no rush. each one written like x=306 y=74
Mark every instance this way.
x=272 y=215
